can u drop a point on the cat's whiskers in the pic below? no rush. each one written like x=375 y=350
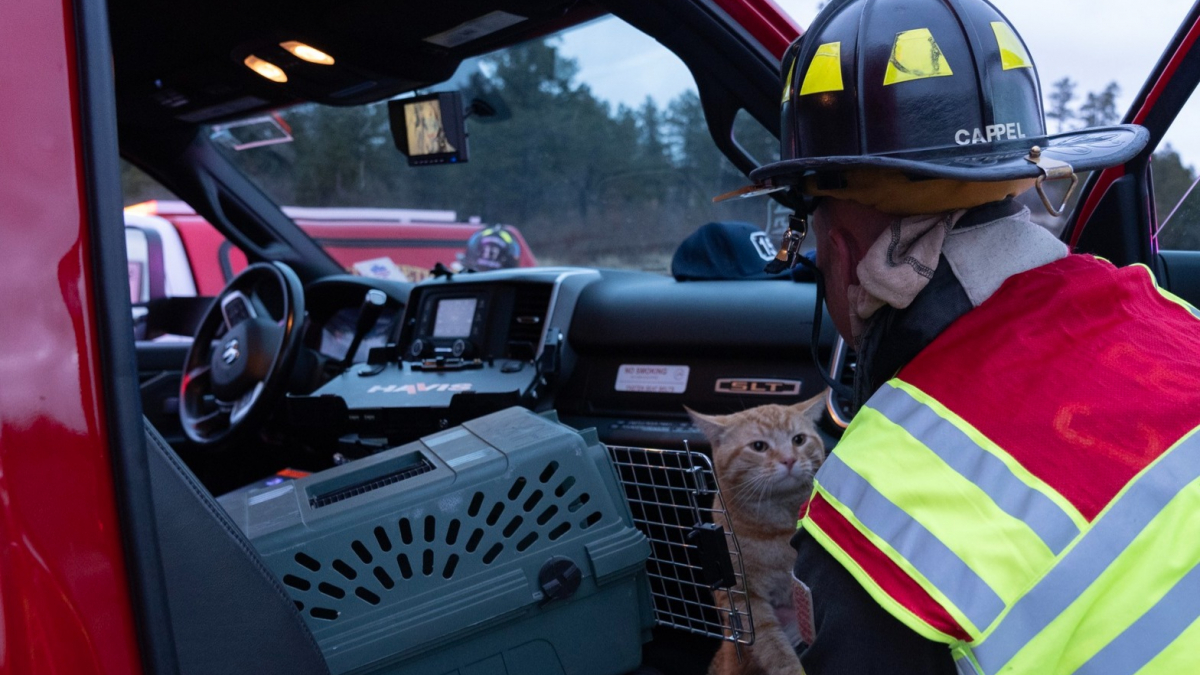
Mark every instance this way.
x=748 y=488
x=768 y=485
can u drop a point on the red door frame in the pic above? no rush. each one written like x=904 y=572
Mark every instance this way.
x=64 y=598
x=1145 y=103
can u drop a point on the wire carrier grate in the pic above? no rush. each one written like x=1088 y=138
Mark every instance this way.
x=695 y=566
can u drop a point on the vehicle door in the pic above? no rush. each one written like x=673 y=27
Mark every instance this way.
x=1148 y=211
x=65 y=326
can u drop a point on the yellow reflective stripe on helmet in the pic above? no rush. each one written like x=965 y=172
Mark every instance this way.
x=787 y=83
x=930 y=423
x=908 y=537
x=825 y=72
x=915 y=56
x=1012 y=53
x=1003 y=551
x=1143 y=542
x=868 y=583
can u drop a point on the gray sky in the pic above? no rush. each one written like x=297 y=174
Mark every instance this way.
x=1092 y=41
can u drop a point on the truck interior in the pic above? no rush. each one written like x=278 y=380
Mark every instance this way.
x=298 y=372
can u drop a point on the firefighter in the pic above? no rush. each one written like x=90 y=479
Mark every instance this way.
x=1017 y=492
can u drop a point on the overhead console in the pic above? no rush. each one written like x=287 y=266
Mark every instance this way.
x=469 y=345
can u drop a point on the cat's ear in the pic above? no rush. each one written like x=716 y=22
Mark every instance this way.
x=814 y=407
x=710 y=425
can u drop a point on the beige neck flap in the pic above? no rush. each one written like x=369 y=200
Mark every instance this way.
x=898 y=265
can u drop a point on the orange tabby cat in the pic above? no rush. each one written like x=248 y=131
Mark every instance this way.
x=765 y=458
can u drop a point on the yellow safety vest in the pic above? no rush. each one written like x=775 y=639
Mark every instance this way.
x=1027 y=489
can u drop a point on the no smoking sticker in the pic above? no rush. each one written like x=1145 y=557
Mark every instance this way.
x=652 y=379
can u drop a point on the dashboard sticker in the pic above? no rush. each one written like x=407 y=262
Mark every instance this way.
x=652 y=379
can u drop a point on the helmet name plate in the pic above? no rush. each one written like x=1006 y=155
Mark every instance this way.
x=989 y=134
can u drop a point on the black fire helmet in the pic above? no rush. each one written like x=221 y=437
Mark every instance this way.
x=923 y=106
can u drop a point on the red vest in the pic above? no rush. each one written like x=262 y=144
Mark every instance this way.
x=1041 y=412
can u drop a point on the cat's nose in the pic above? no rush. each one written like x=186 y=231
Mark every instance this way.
x=789 y=462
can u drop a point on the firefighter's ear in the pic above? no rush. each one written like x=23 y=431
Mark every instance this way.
x=712 y=426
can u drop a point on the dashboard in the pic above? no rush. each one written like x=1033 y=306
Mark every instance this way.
x=622 y=352
x=440 y=353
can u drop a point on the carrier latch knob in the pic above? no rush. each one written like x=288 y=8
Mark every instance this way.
x=559 y=578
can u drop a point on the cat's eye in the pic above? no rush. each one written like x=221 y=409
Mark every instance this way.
x=758 y=446
x=799 y=439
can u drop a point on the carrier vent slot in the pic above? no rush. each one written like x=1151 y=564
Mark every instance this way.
x=331 y=590
x=451 y=563
x=296 y=582
x=579 y=502
x=344 y=569
x=527 y=541
x=528 y=319
x=476 y=504
x=417 y=468
x=323 y=613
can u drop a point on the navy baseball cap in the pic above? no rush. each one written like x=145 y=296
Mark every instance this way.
x=728 y=250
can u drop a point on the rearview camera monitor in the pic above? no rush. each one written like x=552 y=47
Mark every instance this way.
x=430 y=129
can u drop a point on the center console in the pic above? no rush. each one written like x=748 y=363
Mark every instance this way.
x=469 y=345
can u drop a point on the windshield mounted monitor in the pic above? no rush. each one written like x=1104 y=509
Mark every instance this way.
x=430 y=129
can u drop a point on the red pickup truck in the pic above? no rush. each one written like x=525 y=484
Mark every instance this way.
x=175 y=252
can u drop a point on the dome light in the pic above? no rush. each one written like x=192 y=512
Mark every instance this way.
x=265 y=68
x=307 y=53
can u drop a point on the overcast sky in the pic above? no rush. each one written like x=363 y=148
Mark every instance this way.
x=1091 y=41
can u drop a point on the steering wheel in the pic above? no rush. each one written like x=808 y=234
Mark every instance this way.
x=243 y=354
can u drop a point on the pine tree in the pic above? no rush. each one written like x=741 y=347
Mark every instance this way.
x=1101 y=108
x=1060 y=103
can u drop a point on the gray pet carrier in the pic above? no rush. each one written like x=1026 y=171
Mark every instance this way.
x=500 y=547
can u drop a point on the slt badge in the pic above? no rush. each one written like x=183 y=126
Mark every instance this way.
x=758 y=387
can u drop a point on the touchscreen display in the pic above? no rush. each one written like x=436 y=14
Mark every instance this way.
x=454 y=317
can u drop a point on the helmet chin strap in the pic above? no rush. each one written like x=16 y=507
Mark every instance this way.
x=788 y=257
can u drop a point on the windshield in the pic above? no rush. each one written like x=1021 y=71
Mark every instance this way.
x=604 y=160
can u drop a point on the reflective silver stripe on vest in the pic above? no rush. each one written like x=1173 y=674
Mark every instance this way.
x=1095 y=552
x=964 y=666
x=941 y=566
x=1047 y=520
x=1150 y=634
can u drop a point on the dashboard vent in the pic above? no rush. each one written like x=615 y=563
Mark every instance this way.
x=528 y=319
